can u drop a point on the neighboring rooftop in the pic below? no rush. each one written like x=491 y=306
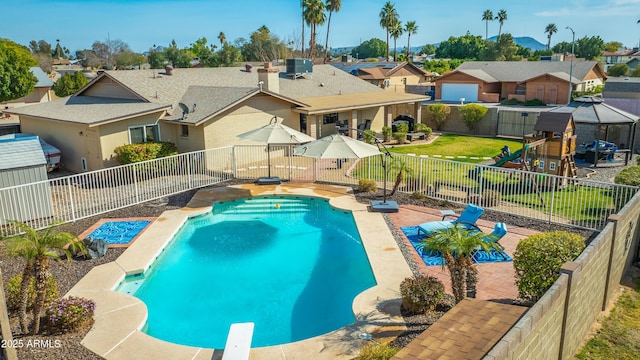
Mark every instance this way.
x=20 y=152
x=515 y=71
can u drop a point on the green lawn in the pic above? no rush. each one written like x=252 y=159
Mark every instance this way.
x=460 y=145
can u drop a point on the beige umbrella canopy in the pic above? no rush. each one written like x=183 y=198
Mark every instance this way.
x=275 y=133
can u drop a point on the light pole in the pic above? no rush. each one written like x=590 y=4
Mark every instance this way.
x=573 y=41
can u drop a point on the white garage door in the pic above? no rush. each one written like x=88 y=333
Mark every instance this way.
x=453 y=92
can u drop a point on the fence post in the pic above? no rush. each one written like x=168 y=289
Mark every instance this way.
x=188 y=156
x=553 y=196
x=73 y=208
x=135 y=183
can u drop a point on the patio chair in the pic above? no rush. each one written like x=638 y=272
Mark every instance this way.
x=468 y=217
x=499 y=231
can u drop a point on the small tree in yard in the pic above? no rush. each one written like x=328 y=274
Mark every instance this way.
x=402 y=169
x=472 y=114
x=37 y=247
x=538 y=258
x=439 y=113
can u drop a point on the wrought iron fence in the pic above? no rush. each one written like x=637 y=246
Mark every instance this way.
x=578 y=202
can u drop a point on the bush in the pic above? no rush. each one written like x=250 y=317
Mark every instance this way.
x=538 y=259
x=376 y=351
x=401 y=137
x=511 y=102
x=534 y=102
x=369 y=136
x=13 y=292
x=69 y=314
x=423 y=128
x=421 y=293
x=402 y=128
x=386 y=133
x=366 y=185
x=133 y=153
x=439 y=113
x=629 y=176
x=472 y=114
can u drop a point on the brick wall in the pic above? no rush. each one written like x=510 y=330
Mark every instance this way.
x=556 y=326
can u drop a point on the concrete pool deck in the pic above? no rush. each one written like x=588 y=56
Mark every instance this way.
x=119 y=317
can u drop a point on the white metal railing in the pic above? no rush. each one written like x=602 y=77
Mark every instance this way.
x=578 y=202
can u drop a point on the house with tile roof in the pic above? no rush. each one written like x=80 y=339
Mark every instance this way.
x=493 y=81
x=203 y=108
x=621 y=56
x=391 y=76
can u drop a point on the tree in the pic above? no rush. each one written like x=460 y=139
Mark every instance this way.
x=589 y=48
x=332 y=6
x=428 y=49
x=457 y=245
x=58 y=52
x=504 y=49
x=502 y=17
x=464 y=47
x=222 y=38
x=314 y=15
x=371 y=48
x=229 y=55
x=613 y=46
x=439 y=113
x=262 y=46
x=486 y=17
x=550 y=30
x=16 y=78
x=395 y=32
x=410 y=28
x=64 y=86
x=618 y=70
x=156 y=59
x=40 y=47
x=177 y=58
x=128 y=58
x=388 y=17
x=472 y=114
x=37 y=248
x=402 y=168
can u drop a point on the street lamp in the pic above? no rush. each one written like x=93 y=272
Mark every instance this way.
x=573 y=41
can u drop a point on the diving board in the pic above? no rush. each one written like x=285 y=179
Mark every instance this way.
x=238 y=343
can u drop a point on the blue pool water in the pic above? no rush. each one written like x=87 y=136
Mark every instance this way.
x=118 y=232
x=291 y=265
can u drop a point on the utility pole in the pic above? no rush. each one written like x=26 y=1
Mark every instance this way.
x=573 y=42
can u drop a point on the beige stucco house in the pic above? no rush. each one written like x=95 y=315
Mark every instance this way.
x=41 y=93
x=393 y=77
x=202 y=108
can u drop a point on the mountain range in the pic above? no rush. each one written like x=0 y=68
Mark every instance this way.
x=524 y=41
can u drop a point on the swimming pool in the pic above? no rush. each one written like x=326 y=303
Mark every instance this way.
x=291 y=265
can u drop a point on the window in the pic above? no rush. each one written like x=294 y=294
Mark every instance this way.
x=552 y=166
x=541 y=165
x=521 y=89
x=144 y=133
x=185 y=130
x=330 y=118
x=303 y=123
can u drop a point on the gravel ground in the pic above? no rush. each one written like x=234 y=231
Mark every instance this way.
x=69 y=273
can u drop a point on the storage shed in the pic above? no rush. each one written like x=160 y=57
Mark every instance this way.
x=22 y=162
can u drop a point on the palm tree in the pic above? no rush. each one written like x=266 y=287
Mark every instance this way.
x=456 y=245
x=37 y=248
x=388 y=17
x=332 y=6
x=395 y=32
x=222 y=37
x=410 y=28
x=550 y=30
x=302 y=45
x=502 y=16
x=486 y=17
x=402 y=168
x=314 y=15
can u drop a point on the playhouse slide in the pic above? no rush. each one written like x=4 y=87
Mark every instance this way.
x=506 y=159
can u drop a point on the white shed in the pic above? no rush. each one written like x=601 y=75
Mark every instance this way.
x=22 y=161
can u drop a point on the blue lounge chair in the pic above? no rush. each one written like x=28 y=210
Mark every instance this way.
x=469 y=216
x=499 y=231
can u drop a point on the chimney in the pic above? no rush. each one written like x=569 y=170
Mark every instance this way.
x=269 y=76
x=168 y=69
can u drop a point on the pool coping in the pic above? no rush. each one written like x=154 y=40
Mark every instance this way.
x=100 y=222
x=120 y=317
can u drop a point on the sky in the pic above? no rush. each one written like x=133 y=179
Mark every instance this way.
x=144 y=23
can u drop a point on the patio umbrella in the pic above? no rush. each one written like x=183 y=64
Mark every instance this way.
x=275 y=133
x=343 y=147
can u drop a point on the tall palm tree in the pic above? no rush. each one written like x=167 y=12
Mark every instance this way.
x=486 y=17
x=37 y=247
x=388 y=17
x=410 y=28
x=332 y=6
x=550 y=30
x=302 y=45
x=222 y=37
x=395 y=32
x=456 y=245
x=314 y=15
x=502 y=17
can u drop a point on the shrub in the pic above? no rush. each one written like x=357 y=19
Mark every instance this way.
x=401 y=137
x=439 y=113
x=69 y=314
x=472 y=114
x=369 y=136
x=534 y=102
x=13 y=291
x=629 y=176
x=421 y=293
x=402 y=128
x=511 y=102
x=376 y=351
x=386 y=133
x=366 y=185
x=538 y=259
x=423 y=128
x=133 y=153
